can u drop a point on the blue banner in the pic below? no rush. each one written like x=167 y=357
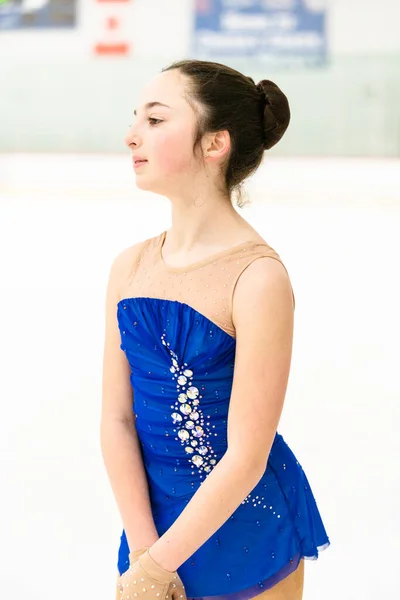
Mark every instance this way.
x=279 y=32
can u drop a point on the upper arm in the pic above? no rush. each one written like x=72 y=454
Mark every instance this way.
x=117 y=393
x=263 y=315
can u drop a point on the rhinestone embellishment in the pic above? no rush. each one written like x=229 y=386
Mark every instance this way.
x=188 y=416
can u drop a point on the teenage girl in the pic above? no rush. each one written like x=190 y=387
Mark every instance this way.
x=199 y=328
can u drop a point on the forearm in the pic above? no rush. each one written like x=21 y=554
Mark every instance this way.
x=220 y=494
x=122 y=456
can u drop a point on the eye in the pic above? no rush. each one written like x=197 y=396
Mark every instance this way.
x=153 y=121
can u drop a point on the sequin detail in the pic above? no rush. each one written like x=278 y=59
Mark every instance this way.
x=255 y=501
x=192 y=432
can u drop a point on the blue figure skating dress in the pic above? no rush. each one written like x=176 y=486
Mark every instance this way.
x=177 y=334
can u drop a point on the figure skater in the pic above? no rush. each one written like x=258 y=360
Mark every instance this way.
x=198 y=343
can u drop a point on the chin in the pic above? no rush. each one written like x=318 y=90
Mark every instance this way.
x=149 y=185
x=144 y=183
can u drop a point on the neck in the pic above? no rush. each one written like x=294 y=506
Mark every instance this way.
x=201 y=221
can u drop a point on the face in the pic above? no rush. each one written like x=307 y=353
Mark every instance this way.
x=162 y=135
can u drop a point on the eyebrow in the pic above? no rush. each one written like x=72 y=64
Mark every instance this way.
x=151 y=105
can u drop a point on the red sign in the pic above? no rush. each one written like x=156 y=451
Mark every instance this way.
x=114 y=17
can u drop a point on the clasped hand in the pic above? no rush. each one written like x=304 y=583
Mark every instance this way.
x=147 y=580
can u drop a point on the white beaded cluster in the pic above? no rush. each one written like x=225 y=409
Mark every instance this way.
x=192 y=433
x=259 y=500
x=256 y=501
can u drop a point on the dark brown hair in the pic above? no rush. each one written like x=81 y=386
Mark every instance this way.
x=256 y=116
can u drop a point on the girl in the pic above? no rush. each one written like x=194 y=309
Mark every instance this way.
x=197 y=356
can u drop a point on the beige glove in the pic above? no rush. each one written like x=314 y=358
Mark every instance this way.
x=147 y=580
x=134 y=555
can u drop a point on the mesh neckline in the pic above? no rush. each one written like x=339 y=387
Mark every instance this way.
x=204 y=261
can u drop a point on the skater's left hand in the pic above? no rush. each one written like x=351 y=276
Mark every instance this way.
x=146 y=580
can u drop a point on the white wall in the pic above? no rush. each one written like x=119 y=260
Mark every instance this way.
x=364 y=26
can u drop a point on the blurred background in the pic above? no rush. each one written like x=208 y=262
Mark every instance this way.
x=327 y=198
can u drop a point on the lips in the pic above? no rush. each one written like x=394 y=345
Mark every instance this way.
x=138 y=160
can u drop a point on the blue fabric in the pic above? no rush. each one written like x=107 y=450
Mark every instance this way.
x=172 y=350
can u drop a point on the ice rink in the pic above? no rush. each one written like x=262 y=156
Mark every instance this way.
x=336 y=225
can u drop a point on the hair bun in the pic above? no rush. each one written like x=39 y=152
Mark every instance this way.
x=276 y=112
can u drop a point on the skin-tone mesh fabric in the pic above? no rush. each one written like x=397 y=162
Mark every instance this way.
x=207 y=285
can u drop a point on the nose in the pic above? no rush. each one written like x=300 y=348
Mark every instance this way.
x=132 y=139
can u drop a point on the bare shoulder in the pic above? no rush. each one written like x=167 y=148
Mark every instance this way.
x=263 y=276
x=262 y=290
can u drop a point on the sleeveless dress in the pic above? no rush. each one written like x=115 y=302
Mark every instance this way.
x=178 y=336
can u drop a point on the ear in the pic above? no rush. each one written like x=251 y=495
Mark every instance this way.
x=216 y=145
